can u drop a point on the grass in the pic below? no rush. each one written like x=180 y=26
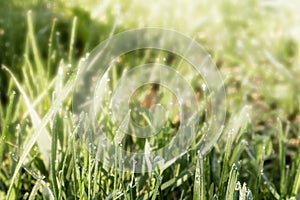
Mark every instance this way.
x=255 y=45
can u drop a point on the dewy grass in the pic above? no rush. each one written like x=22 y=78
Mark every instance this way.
x=257 y=157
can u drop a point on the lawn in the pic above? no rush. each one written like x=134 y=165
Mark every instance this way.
x=51 y=147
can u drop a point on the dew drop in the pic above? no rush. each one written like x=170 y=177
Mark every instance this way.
x=134 y=162
x=197 y=178
x=238 y=186
x=60 y=71
x=203 y=86
x=159 y=178
x=18 y=127
x=244 y=142
x=158 y=159
x=14 y=156
x=234 y=166
x=287 y=166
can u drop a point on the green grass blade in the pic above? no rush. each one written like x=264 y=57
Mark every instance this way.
x=34 y=190
x=55 y=132
x=296 y=184
x=52 y=111
x=199 y=190
x=157 y=186
x=36 y=55
x=50 y=46
x=5 y=125
x=71 y=47
x=44 y=139
x=232 y=183
x=282 y=154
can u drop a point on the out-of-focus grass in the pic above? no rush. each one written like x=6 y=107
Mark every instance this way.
x=255 y=45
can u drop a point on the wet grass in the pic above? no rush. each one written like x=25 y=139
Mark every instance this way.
x=255 y=45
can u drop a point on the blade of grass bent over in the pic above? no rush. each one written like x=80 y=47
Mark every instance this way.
x=54 y=108
x=44 y=138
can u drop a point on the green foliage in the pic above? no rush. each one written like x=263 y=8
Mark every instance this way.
x=256 y=48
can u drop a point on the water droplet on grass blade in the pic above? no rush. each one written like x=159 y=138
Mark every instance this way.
x=238 y=186
x=60 y=71
x=198 y=179
x=203 y=86
x=158 y=159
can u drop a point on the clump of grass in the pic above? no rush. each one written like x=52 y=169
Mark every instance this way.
x=257 y=157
